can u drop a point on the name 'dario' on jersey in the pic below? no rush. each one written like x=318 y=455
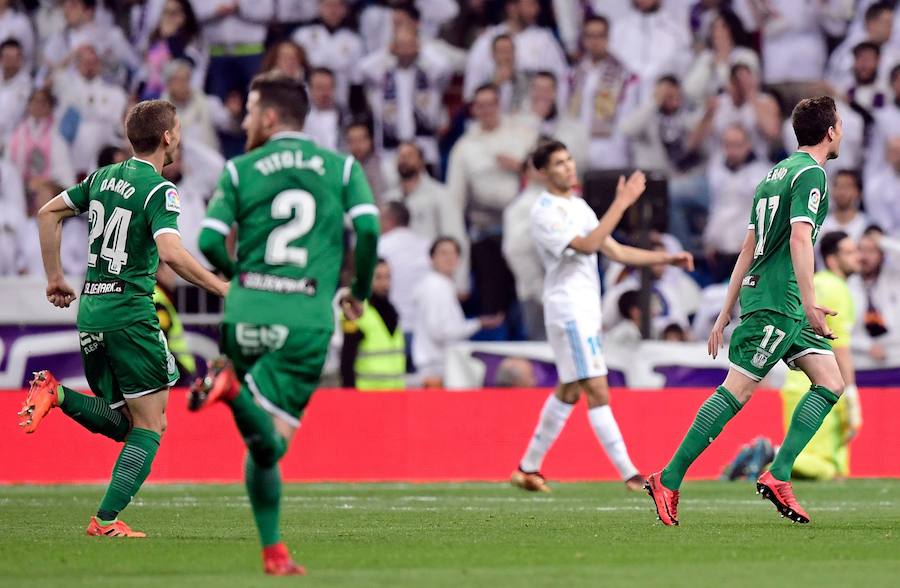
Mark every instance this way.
x=117 y=185
x=282 y=160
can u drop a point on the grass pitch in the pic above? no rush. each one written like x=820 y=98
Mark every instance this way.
x=459 y=535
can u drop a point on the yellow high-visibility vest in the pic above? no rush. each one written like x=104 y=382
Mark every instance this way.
x=381 y=359
x=174 y=331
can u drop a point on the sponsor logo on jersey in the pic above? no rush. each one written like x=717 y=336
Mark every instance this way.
x=173 y=202
x=750 y=281
x=93 y=288
x=760 y=358
x=279 y=284
x=814 y=198
x=90 y=341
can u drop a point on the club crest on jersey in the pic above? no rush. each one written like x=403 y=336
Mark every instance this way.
x=173 y=202
x=760 y=358
x=814 y=198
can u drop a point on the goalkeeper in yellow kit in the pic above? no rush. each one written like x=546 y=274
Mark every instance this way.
x=827 y=455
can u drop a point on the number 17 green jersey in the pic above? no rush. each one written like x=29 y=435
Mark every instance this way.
x=795 y=190
x=128 y=204
x=288 y=198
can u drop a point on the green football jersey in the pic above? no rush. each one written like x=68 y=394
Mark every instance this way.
x=128 y=204
x=288 y=198
x=795 y=190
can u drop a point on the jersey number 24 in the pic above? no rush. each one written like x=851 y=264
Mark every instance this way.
x=114 y=232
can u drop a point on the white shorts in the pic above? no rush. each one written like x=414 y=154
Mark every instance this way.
x=577 y=350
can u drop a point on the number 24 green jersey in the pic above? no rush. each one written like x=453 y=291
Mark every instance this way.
x=795 y=190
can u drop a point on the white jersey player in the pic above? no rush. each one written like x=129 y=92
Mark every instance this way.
x=568 y=237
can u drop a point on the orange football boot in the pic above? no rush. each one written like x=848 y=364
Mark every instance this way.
x=665 y=500
x=782 y=496
x=530 y=481
x=219 y=384
x=42 y=397
x=277 y=562
x=113 y=529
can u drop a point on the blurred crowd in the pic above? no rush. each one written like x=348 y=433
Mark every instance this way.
x=441 y=102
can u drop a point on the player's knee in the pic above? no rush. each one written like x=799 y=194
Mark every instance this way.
x=835 y=383
x=267 y=450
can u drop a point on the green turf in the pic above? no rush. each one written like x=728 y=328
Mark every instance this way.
x=460 y=535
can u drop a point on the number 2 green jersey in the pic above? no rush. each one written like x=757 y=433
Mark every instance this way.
x=795 y=190
x=288 y=198
x=128 y=204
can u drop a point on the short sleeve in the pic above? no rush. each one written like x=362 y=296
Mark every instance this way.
x=807 y=191
x=222 y=210
x=551 y=227
x=357 y=195
x=162 y=207
x=78 y=197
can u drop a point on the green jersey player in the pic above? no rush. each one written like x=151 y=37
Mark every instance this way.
x=780 y=320
x=288 y=199
x=133 y=216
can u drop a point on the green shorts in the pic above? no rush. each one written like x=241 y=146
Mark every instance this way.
x=127 y=363
x=281 y=366
x=764 y=337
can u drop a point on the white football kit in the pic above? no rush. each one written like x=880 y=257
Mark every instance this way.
x=571 y=286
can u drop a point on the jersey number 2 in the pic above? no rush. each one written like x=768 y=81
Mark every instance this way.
x=114 y=233
x=299 y=207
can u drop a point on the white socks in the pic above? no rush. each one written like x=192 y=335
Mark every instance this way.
x=607 y=430
x=552 y=420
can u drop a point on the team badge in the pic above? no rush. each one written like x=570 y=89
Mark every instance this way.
x=814 y=198
x=173 y=202
x=760 y=358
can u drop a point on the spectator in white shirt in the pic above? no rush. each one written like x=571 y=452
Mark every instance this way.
x=404 y=85
x=747 y=105
x=651 y=43
x=522 y=256
x=603 y=90
x=440 y=321
x=509 y=79
x=15 y=25
x=483 y=178
x=542 y=114
x=12 y=216
x=235 y=31
x=865 y=91
x=81 y=27
x=37 y=148
x=433 y=212
x=15 y=86
x=733 y=176
x=406 y=252
x=330 y=43
x=882 y=186
x=877 y=304
x=793 y=47
x=202 y=116
x=536 y=47
x=358 y=138
x=628 y=331
x=843 y=211
x=377 y=21
x=323 y=123
x=879 y=24
x=710 y=73
x=288 y=58
x=73 y=253
x=94 y=107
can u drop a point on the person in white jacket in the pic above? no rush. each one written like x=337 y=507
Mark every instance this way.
x=440 y=321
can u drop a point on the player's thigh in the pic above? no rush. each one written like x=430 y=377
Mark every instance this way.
x=97 y=369
x=760 y=340
x=577 y=350
x=822 y=370
x=140 y=359
x=283 y=376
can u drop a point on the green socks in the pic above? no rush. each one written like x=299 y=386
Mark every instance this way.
x=130 y=471
x=93 y=413
x=266 y=445
x=717 y=410
x=264 y=490
x=806 y=420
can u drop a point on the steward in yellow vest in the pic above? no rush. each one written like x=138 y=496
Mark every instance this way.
x=174 y=331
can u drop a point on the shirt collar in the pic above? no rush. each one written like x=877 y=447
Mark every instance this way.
x=138 y=159
x=290 y=135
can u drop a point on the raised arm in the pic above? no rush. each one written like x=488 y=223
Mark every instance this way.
x=633 y=256
x=49 y=219
x=745 y=258
x=627 y=193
